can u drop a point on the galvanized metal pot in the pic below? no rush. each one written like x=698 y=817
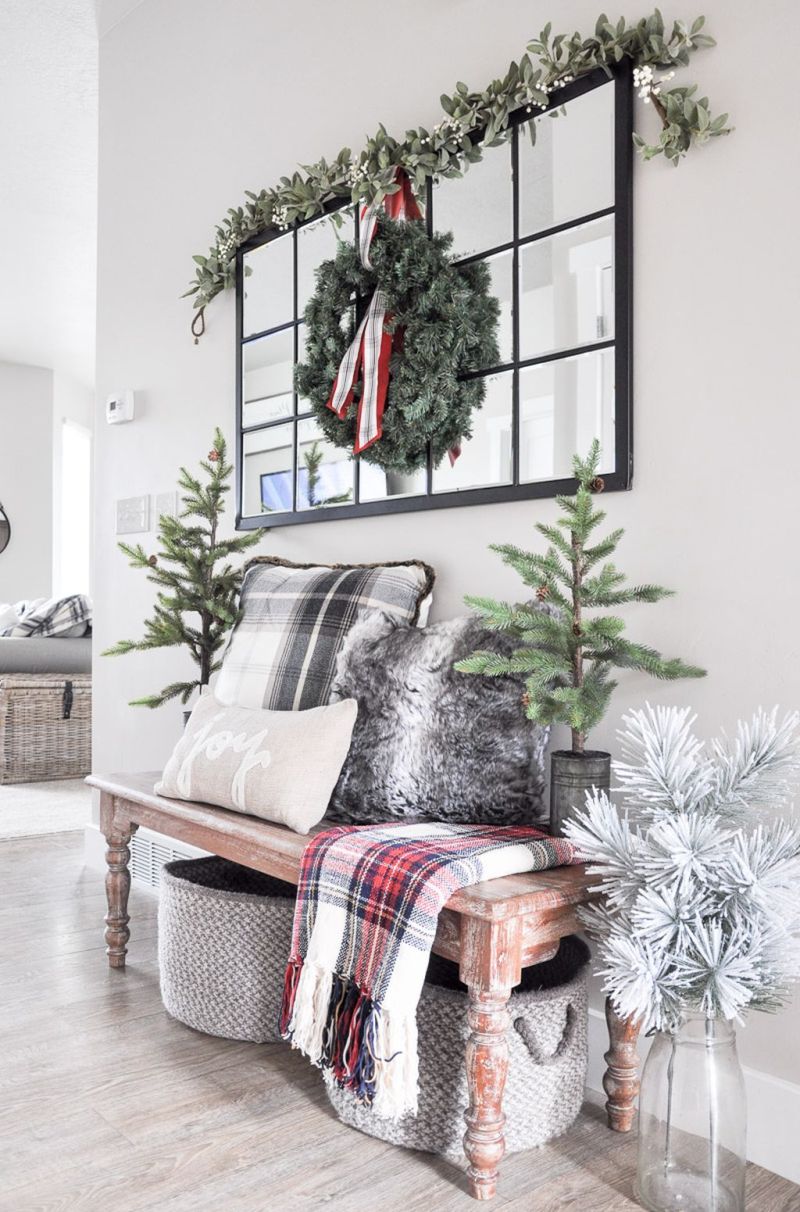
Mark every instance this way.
x=571 y=776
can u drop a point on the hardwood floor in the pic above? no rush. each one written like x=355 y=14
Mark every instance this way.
x=108 y=1104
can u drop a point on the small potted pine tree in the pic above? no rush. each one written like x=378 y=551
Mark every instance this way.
x=565 y=656
x=198 y=588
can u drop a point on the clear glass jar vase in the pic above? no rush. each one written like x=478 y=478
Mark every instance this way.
x=692 y=1120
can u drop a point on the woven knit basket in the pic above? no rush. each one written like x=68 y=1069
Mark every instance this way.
x=224 y=934
x=547 y=1060
x=45 y=726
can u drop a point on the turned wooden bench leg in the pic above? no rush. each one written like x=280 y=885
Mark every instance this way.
x=487 y=1067
x=117 y=832
x=621 y=1080
x=490 y=967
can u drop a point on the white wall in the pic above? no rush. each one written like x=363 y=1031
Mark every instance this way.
x=198 y=103
x=73 y=405
x=26 y=487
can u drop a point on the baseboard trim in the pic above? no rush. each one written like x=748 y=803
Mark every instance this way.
x=773 y=1106
x=94 y=846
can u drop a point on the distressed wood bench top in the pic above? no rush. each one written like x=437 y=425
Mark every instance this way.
x=278 y=851
x=492 y=930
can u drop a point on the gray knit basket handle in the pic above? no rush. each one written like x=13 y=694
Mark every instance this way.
x=528 y=1038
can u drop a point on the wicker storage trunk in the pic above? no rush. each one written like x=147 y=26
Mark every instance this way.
x=224 y=935
x=45 y=726
x=547 y=1043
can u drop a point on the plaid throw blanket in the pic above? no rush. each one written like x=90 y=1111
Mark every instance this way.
x=53 y=617
x=367 y=907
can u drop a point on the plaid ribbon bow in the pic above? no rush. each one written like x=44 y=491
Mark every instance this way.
x=371 y=349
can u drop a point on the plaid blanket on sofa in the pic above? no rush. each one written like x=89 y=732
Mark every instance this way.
x=368 y=901
x=52 y=617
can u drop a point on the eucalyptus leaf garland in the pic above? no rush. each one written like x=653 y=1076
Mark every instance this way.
x=448 y=318
x=551 y=62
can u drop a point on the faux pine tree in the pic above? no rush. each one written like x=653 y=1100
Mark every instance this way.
x=313 y=459
x=565 y=655
x=198 y=587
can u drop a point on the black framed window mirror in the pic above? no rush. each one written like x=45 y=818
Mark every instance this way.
x=553 y=221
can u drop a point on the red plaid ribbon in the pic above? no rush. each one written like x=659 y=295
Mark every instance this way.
x=370 y=351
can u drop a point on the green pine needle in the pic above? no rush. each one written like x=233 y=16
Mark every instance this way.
x=565 y=655
x=197 y=602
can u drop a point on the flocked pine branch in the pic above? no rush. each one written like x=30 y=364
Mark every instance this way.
x=760 y=765
x=198 y=588
x=700 y=906
x=566 y=654
x=664 y=769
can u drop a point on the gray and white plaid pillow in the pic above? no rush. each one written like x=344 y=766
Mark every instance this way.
x=296 y=617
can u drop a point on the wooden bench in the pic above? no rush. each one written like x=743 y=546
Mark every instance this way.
x=492 y=930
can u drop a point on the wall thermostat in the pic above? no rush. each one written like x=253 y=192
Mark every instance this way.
x=120 y=407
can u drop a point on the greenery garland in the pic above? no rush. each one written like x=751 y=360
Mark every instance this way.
x=449 y=319
x=448 y=149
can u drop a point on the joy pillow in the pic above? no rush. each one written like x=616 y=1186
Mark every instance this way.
x=281 y=766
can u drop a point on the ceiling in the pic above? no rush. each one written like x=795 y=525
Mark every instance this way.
x=48 y=183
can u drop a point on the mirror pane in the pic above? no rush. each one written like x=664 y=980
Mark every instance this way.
x=5 y=530
x=570 y=170
x=566 y=289
x=267 y=378
x=478 y=207
x=563 y=406
x=268 y=286
x=486 y=458
x=317 y=242
x=375 y=484
x=501 y=268
x=324 y=471
x=268 y=470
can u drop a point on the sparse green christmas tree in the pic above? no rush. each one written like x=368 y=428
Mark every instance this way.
x=565 y=656
x=198 y=588
x=313 y=459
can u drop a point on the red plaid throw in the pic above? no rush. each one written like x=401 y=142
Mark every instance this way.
x=367 y=907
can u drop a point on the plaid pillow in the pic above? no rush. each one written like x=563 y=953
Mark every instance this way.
x=296 y=617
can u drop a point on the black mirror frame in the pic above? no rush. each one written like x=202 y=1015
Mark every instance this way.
x=622 y=477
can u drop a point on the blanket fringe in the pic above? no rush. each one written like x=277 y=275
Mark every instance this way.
x=361 y=1047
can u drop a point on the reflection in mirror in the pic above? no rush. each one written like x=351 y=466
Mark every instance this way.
x=267 y=378
x=478 y=207
x=563 y=406
x=570 y=171
x=375 y=484
x=486 y=458
x=5 y=529
x=566 y=289
x=318 y=242
x=268 y=470
x=501 y=268
x=268 y=286
x=324 y=471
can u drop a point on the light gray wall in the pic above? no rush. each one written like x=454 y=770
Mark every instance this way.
x=200 y=101
x=26 y=480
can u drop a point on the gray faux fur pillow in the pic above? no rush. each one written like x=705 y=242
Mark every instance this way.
x=429 y=742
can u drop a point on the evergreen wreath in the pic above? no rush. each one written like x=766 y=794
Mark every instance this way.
x=449 y=320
